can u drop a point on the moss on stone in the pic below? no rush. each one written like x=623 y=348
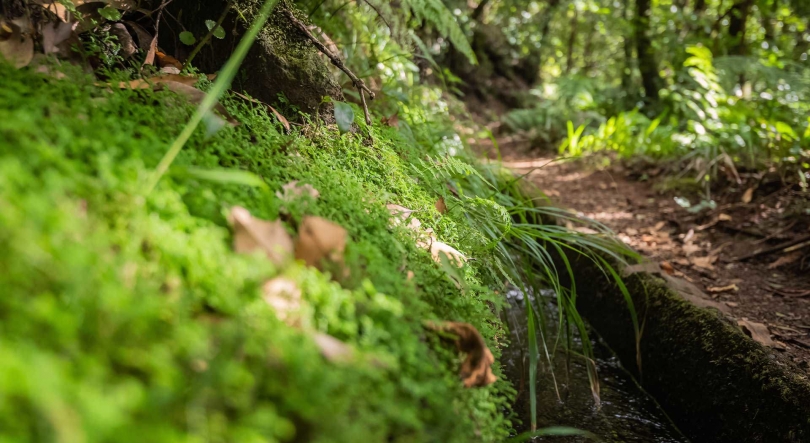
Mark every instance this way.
x=717 y=384
x=282 y=62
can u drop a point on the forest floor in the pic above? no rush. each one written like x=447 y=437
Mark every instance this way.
x=748 y=257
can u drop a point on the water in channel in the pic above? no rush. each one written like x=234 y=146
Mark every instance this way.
x=625 y=414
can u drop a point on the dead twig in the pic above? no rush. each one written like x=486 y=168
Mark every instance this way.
x=379 y=14
x=789 y=246
x=358 y=83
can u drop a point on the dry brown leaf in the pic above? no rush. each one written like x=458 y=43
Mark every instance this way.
x=318 y=240
x=295 y=190
x=785 y=260
x=476 y=369
x=16 y=44
x=718 y=289
x=667 y=267
x=437 y=249
x=401 y=214
x=392 y=120
x=284 y=296
x=759 y=332
x=164 y=60
x=748 y=195
x=253 y=234
x=441 y=206
x=331 y=348
x=704 y=262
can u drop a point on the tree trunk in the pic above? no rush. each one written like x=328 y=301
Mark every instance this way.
x=738 y=17
x=627 y=72
x=572 y=41
x=647 y=63
x=544 y=28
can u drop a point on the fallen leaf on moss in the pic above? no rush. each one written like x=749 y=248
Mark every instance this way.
x=318 y=240
x=253 y=234
x=295 y=190
x=441 y=206
x=401 y=214
x=476 y=369
x=284 y=296
x=331 y=348
x=759 y=332
x=437 y=249
x=16 y=44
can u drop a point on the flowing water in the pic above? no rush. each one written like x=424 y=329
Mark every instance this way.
x=625 y=412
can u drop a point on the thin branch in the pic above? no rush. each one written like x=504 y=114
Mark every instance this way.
x=379 y=14
x=358 y=83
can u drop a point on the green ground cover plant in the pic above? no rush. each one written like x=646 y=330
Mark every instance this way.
x=127 y=316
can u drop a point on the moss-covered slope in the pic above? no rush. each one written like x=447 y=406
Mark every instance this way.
x=127 y=317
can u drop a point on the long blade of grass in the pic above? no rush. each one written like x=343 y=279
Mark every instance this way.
x=552 y=431
x=221 y=84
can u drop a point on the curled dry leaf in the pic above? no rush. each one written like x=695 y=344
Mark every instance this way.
x=441 y=206
x=425 y=239
x=759 y=332
x=476 y=369
x=253 y=234
x=295 y=190
x=667 y=267
x=318 y=240
x=718 y=289
x=16 y=44
x=284 y=296
x=748 y=195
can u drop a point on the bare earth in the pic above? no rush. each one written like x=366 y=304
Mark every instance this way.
x=767 y=294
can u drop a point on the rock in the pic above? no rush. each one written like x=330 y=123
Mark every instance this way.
x=281 y=61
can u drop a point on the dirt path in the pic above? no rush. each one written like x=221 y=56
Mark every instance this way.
x=769 y=292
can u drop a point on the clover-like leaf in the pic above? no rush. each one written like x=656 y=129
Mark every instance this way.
x=187 y=38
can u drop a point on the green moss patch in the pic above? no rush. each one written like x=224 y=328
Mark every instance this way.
x=127 y=317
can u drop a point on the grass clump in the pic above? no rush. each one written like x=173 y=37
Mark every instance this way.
x=127 y=316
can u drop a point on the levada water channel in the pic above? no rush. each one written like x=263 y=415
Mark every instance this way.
x=622 y=412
